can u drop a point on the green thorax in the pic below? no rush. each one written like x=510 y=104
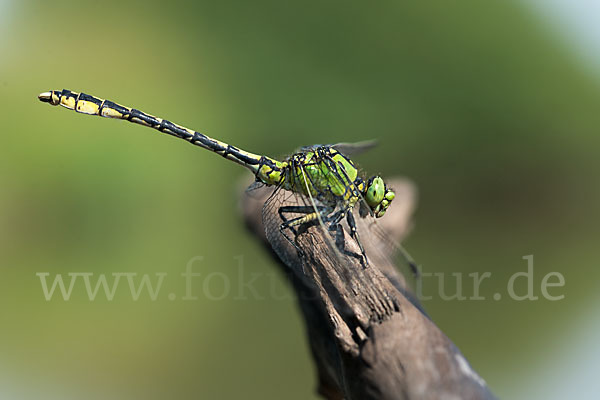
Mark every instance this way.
x=322 y=172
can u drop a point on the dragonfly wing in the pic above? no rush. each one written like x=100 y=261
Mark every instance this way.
x=272 y=221
x=378 y=243
x=312 y=238
x=354 y=149
x=346 y=148
x=384 y=236
x=322 y=258
x=256 y=190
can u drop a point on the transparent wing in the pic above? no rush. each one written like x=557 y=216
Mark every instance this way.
x=353 y=149
x=284 y=205
x=346 y=148
x=272 y=221
x=378 y=243
x=255 y=190
x=382 y=243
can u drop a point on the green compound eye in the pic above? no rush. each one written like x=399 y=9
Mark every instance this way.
x=375 y=192
x=389 y=196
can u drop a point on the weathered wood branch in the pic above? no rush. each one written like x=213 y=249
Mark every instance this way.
x=369 y=336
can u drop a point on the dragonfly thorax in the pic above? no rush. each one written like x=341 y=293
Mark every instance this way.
x=322 y=172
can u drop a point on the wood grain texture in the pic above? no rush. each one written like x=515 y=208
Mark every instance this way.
x=369 y=336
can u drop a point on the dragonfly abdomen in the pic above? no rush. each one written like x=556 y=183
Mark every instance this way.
x=266 y=169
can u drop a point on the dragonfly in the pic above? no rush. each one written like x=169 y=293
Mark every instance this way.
x=323 y=184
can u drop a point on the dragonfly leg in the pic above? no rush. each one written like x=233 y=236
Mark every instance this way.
x=309 y=215
x=289 y=239
x=334 y=226
x=354 y=235
x=292 y=210
x=341 y=243
x=335 y=219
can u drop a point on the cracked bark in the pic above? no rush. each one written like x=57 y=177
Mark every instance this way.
x=369 y=336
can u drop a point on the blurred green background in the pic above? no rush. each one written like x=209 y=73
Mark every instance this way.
x=485 y=105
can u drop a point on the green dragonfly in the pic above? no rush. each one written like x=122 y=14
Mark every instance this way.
x=324 y=182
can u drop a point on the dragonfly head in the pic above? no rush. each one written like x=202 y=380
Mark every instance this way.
x=378 y=196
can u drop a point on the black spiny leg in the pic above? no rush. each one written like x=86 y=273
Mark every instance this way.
x=334 y=219
x=354 y=235
x=310 y=215
x=334 y=226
